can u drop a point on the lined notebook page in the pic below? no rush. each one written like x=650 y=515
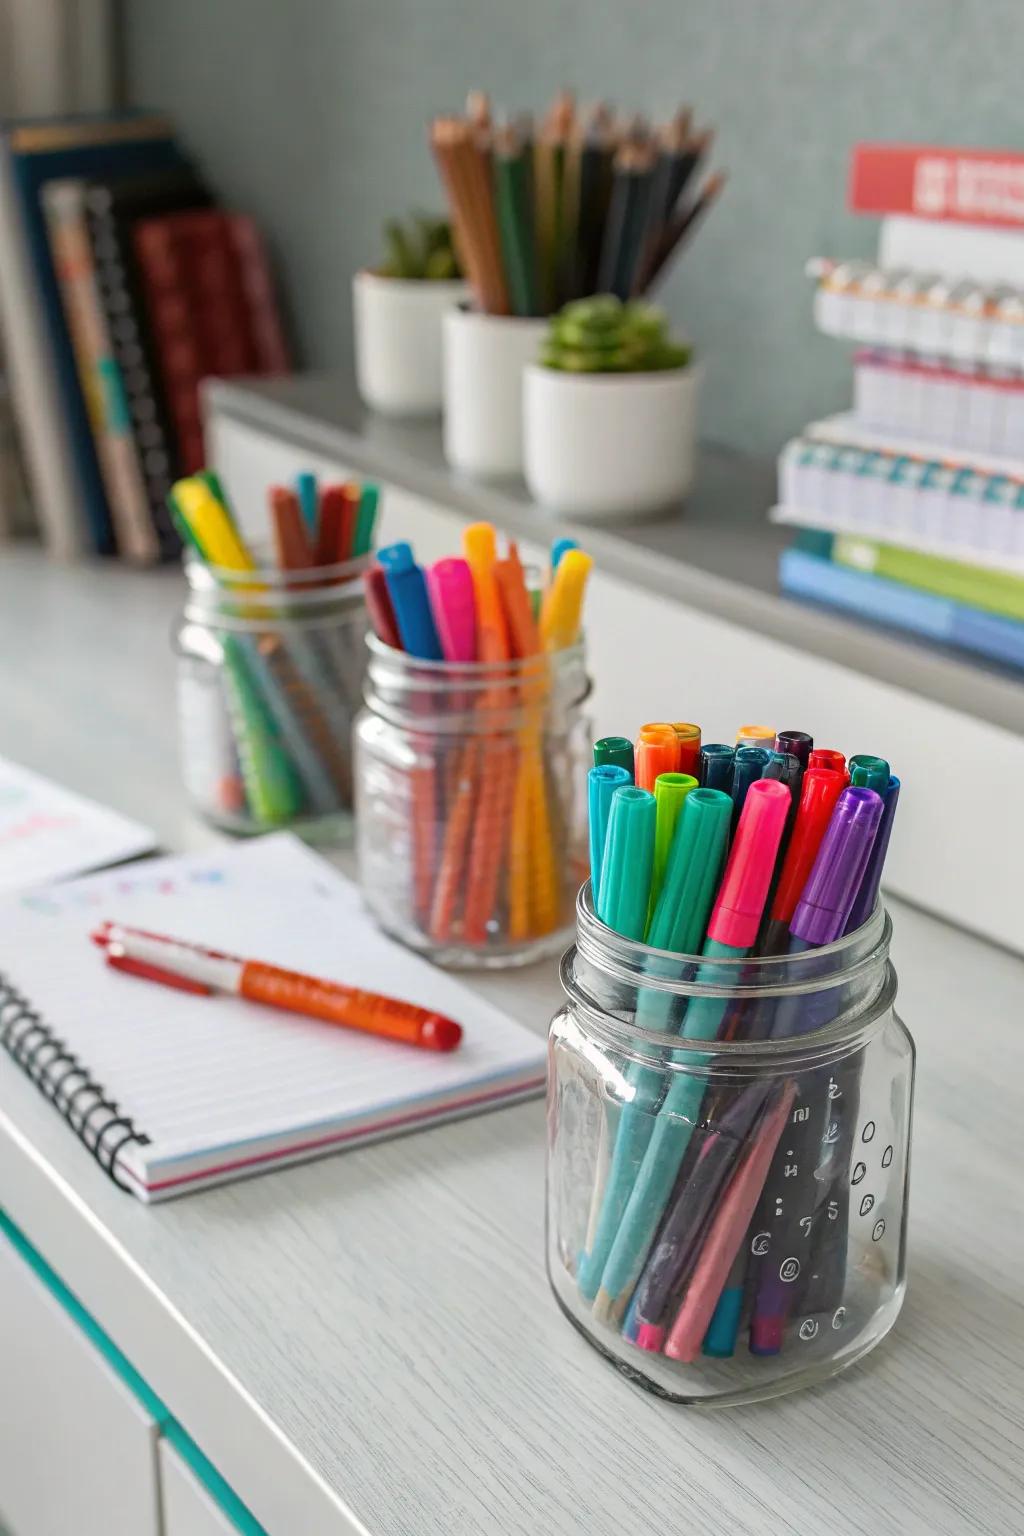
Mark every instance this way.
x=203 y=1076
x=48 y=833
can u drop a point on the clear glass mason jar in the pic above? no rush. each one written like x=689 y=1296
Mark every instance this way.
x=471 y=812
x=270 y=673
x=726 y=1220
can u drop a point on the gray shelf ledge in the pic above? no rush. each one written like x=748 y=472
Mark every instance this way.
x=717 y=554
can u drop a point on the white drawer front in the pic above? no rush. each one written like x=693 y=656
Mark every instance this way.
x=77 y=1450
x=187 y=1507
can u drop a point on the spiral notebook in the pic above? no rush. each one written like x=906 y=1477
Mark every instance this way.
x=172 y=1093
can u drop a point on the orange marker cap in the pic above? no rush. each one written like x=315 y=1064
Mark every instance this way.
x=656 y=752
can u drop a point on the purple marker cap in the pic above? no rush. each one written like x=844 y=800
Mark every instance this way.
x=825 y=902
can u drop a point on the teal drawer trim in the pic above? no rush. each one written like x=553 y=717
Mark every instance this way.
x=206 y=1473
x=203 y=1469
x=73 y=1307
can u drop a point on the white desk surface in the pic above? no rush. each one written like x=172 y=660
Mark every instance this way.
x=368 y=1343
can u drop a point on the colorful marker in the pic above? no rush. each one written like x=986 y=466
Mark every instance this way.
x=731 y=933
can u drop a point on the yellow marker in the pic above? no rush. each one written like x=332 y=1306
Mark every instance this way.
x=563 y=601
x=210 y=525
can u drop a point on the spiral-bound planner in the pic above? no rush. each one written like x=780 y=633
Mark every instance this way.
x=172 y=1092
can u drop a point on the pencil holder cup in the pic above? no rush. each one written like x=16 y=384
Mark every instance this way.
x=270 y=671
x=471 y=803
x=484 y=358
x=397 y=332
x=609 y=445
x=726 y=1219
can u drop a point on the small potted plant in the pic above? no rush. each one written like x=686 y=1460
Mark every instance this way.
x=609 y=412
x=397 y=311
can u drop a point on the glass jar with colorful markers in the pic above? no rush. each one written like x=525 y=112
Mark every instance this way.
x=471 y=754
x=271 y=653
x=730 y=1085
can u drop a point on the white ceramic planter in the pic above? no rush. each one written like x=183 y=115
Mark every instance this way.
x=609 y=445
x=484 y=359
x=397 y=327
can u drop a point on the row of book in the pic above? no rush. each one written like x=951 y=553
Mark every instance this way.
x=909 y=509
x=123 y=285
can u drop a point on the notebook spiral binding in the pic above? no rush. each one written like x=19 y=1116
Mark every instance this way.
x=58 y=1073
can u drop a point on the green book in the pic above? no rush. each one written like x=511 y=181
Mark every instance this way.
x=978 y=586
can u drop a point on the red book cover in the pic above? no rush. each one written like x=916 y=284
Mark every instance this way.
x=968 y=186
x=211 y=310
x=218 y=302
x=265 y=328
x=170 y=313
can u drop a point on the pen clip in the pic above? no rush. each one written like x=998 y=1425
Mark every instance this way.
x=148 y=972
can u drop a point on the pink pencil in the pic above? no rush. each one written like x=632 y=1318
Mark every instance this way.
x=727 y=1232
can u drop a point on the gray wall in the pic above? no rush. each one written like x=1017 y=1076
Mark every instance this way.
x=311 y=114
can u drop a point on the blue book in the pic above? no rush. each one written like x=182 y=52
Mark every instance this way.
x=889 y=602
x=103 y=145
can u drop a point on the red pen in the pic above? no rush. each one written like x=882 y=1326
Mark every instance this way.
x=191 y=968
x=819 y=792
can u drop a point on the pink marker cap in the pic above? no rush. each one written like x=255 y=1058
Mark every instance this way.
x=453 y=604
x=748 y=873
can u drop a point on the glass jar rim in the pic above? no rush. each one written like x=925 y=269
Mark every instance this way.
x=443 y=672
x=204 y=577
x=866 y=950
x=247 y=601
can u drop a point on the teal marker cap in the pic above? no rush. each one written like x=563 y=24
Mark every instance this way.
x=628 y=862
x=602 y=783
x=868 y=772
x=691 y=876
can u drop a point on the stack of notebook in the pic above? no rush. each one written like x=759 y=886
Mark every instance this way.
x=122 y=285
x=911 y=506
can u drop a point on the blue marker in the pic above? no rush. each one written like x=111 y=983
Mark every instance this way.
x=559 y=548
x=309 y=499
x=601 y=785
x=407 y=589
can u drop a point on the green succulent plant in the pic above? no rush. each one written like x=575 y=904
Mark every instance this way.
x=603 y=335
x=420 y=247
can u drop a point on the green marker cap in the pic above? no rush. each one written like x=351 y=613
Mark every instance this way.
x=614 y=749
x=695 y=863
x=670 y=792
x=366 y=519
x=628 y=862
x=868 y=772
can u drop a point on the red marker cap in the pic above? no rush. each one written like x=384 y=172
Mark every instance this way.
x=819 y=792
x=827 y=757
x=748 y=874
